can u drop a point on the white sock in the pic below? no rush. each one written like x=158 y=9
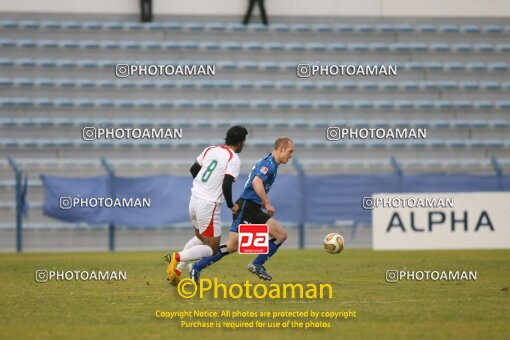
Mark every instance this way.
x=195 y=253
x=195 y=241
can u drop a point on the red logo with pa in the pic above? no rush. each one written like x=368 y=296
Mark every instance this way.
x=253 y=239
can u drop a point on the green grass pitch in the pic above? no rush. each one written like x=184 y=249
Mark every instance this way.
x=125 y=309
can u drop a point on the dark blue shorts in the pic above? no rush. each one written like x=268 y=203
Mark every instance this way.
x=249 y=213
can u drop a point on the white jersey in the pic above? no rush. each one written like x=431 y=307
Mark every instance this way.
x=216 y=162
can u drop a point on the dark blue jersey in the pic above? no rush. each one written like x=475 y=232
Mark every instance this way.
x=266 y=169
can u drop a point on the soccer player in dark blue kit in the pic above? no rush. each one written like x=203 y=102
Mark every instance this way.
x=251 y=202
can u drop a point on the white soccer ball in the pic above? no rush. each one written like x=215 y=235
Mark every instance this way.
x=334 y=243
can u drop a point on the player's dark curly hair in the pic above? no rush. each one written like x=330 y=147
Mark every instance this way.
x=235 y=135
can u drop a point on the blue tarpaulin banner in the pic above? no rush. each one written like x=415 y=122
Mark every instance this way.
x=58 y=191
x=297 y=199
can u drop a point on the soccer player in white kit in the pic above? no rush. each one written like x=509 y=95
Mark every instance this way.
x=214 y=171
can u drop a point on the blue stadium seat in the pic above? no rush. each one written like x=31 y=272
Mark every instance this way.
x=255 y=46
x=257 y=28
x=227 y=65
x=434 y=143
x=111 y=44
x=7 y=62
x=433 y=66
x=497 y=67
x=492 y=29
x=8 y=122
x=295 y=47
x=213 y=27
x=225 y=84
x=194 y=26
x=306 y=85
x=175 y=26
x=231 y=46
x=440 y=47
x=385 y=28
x=439 y=123
x=322 y=28
x=274 y=46
x=236 y=27
x=6 y=82
x=91 y=25
x=404 y=28
x=469 y=85
x=365 y=28
x=279 y=28
x=503 y=104
x=270 y=66
x=261 y=104
x=77 y=103
x=463 y=47
x=479 y=67
x=500 y=123
x=329 y=85
x=470 y=29
x=320 y=104
x=29 y=24
x=337 y=47
x=71 y=25
x=479 y=123
x=504 y=48
x=448 y=29
x=410 y=85
x=110 y=84
x=113 y=26
x=8 y=24
x=343 y=27
x=487 y=48
x=268 y=85
x=316 y=47
x=484 y=105
x=248 y=65
x=153 y=26
x=425 y=28
x=495 y=144
x=133 y=26
x=42 y=24
x=360 y=47
x=300 y=28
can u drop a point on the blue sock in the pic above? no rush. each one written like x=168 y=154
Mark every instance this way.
x=207 y=261
x=274 y=244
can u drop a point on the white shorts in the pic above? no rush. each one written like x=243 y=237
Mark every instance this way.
x=205 y=216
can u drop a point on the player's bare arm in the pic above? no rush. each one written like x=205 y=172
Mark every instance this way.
x=258 y=186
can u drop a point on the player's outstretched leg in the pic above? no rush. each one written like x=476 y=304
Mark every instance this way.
x=224 y=250
x=194 y=253
x=210 y=244
x=175 y=276
x=279 y=235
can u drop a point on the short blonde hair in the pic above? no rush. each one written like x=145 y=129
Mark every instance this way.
x=282 y=141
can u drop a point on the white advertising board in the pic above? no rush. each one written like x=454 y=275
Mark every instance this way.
x=441 y=221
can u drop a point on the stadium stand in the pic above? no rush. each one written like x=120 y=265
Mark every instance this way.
x=59 y=76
